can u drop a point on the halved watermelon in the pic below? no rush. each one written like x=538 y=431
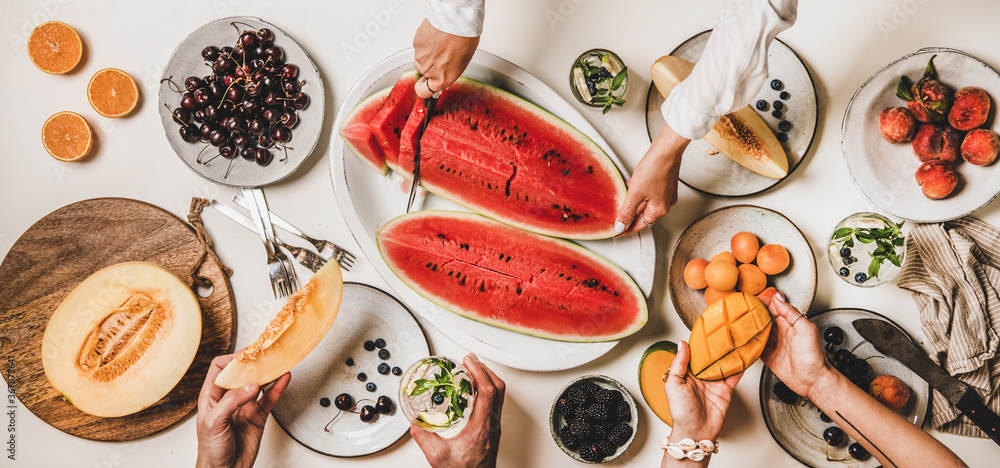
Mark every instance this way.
x=510 y=278
x=357 y=132
x=504 y=157
x=388 y=122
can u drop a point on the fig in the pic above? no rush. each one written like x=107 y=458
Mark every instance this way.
x=928 y=99
x=969 y=109
x=980 y=146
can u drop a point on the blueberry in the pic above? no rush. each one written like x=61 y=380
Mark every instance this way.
x=383 y=369
x=844 y=272
x=592 y=88
x=784 y=125
x=383 y=354
x=761 y=105
x=324 y=402
x=370 y=386
x=604 y=73
x=776 y=114
x=380 y=343
x=784 y=95
x=349 y=361
x=778 y=105
x=397 y=371
x=782 y=137
x=438 y=399
x=362 y=377
x=845 y=252
x=848 y=260
x=776 y=84
x=369 y=345
x=860 y=278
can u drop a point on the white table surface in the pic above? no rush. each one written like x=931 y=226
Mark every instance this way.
x=841 y=42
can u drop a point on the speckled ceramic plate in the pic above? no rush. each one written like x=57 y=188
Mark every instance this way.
x=798 y=428
x=366 y=313
x=711 y=233
x=884 y=172
x=715 y=174
x=556 y=422
x=186 y=61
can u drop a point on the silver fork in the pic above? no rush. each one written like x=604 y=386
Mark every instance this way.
x=305 y=257
x=279 y=268
x=326 y=249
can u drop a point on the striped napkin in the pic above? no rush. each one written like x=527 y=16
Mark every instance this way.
x=953 y=271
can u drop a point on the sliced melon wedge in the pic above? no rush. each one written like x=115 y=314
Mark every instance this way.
x=728 y=336
x=291 y=335
x=742 y=135
x=653 y=367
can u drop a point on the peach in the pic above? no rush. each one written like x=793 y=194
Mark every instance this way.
x=721 y=275
x=726 y=256
x=890 y=391
x=932 y=101
x=936 y=179
x=980 y=146
x=694 y=273
x=772 y=259
x=970 y=109
x=745 y=246
x=935 y=141
x=897 y=124
x=751 y=281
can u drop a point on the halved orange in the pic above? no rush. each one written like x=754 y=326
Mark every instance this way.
x=55 y=47
x=67 y=136
x=112 y=93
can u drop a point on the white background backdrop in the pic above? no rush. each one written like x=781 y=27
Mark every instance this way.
x=841 y=42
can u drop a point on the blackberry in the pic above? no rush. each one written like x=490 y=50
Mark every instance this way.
x=599 y=432
x=580 y=412
x=589 y=389
x=785 y=394
x=605 y=448
x=579 y=428
x=589 y=453
x=568 y=439
x=576 y=397
x=623 y=412
x=563 y=408
x=604 y=396
x=620 y=434
x=597 y=412
x=616 y=397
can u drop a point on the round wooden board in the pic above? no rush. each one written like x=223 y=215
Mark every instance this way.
x=65 y=247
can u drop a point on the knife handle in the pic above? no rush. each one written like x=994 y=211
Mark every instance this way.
x=971 y=406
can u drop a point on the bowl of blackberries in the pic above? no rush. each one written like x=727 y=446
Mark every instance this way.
x=593 y=419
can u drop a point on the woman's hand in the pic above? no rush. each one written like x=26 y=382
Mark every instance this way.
x=479 y=442
x=698 y=407
x=230 y=423
x=440 y=57
x=794 y=352
x=652 y=190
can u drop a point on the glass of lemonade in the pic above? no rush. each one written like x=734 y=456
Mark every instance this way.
x=867 y=249
x=436 y=394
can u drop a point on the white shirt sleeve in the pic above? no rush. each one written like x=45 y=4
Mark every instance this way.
x=732 y=68
x=458 y=17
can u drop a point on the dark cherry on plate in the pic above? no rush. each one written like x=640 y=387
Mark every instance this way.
x=834 y=436
x=344 y=402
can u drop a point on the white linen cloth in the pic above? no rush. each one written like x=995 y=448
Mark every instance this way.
x=459 y=17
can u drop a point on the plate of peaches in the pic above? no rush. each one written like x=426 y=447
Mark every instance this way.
x=920 y=136
x=740 y=248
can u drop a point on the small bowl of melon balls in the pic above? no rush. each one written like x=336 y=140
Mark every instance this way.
x=745 y=268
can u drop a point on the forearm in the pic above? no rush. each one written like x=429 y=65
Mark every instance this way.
x=668 y=147
x=891 y=439
x=671 y=462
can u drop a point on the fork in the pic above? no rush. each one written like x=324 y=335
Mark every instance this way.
x=265 y=215
x=305 y=257
x=326 y=249
x=281 y=282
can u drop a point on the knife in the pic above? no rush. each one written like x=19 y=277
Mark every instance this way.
x=890 y=341
x=429 y=104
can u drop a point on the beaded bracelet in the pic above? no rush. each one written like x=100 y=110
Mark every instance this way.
x=688 y=448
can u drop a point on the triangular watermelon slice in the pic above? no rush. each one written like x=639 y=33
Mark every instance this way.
x=358 y=134
x=388 y=122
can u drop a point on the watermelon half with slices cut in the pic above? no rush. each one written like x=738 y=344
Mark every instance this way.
x=510 y=278
x=506 y=158
x=357 y=133
x=387 y=124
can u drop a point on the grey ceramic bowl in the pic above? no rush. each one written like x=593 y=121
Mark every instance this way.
x=556 y=422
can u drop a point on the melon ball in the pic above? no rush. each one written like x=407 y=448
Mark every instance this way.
x=721 y=275
x=712 y=295
x=751 y=281
x=744 y=246
x=727 y=256
x=694 y=273
x=772 y=259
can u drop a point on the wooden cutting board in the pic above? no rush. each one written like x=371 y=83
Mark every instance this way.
x=64 y=248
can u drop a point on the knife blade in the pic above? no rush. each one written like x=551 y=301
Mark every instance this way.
x=429 y=104
x=892 y=342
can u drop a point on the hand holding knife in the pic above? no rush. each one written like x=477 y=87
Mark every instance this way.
x=429 y=104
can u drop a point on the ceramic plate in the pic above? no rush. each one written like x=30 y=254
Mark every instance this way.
x=711 y=233
x=557 y=422
x=718 y=175
x=367 y=200
x=186 y=61
x=366 y=313
x=798 y=428
x=883 y=171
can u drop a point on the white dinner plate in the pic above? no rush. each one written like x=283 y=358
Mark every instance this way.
x=367 y=200
x=715 y=174
x=884 y=172
x=186 y=61
x=798 y=428
x=366 y=314
x=711 y=234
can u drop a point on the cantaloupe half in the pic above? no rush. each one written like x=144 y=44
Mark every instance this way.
x=122 y=339
x=742 y=135
x=653 y=368
x=728 y=336
x=291 y=335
